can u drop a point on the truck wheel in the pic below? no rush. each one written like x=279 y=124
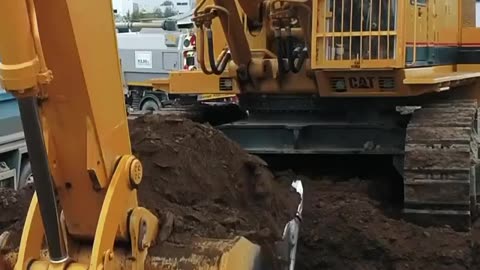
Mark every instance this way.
x=150 y=105
x=26 y=176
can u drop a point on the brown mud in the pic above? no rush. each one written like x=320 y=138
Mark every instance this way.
x=345 y=228
x=201 y=184
x=13 y=209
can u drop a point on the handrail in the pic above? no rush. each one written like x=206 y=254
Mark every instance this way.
x=414 y=60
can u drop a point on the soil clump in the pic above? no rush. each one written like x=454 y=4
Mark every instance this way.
x=345 y=228
x=201 y=184
x=13 y=210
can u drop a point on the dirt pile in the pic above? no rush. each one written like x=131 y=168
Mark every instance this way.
x=13 y=210
x=345 y=229
x=203 y=184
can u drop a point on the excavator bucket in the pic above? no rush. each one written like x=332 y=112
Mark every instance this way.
x=236 y=253
x=211 y=254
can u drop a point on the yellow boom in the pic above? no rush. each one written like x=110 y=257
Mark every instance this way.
x=79 y=146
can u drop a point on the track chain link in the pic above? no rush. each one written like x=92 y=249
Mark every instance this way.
x=441 y=152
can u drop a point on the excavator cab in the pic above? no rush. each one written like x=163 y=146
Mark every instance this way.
x=356 y=16
x=358 y=29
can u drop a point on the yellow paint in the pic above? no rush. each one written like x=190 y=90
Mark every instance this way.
x=119 y=199
x=141 y=241
x=417 y=24
x=32 y=237
x=242 y=255
x=204 y=97
x=470 y=36
x=142 y=84
x=187 y=82
x=82 y=87
x=223 y=254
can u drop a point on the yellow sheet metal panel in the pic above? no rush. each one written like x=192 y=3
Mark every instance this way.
x=468 y=67
x=32 y=239
x=467 y=12
x=470 y=37
x=196 y=82
x=445 y=22
x=204 y=97
x=160 y=84
x=142 y=84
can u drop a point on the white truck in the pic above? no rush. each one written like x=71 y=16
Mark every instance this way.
x=152 y=53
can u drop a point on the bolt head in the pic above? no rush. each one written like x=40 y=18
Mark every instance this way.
x=136 y=172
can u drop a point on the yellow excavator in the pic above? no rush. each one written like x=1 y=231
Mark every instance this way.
x=373 y=77
x=393 y=78
x=59 y=58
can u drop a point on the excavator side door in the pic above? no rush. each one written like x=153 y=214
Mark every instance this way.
x=355 y=33
x=418 y=41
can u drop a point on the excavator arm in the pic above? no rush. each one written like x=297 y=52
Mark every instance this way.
x=278 y=24
x=59 y=58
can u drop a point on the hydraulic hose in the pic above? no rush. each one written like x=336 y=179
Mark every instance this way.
x=223 y=63
x=216 y=67
x=281 y=64
x=201 y=52
x=290 y=53
x=299 y=54
x=295 y=57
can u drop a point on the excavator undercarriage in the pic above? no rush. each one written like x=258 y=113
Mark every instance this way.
x=433 y=143
x=441 y=163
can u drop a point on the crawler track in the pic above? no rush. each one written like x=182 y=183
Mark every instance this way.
x=439 y=170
